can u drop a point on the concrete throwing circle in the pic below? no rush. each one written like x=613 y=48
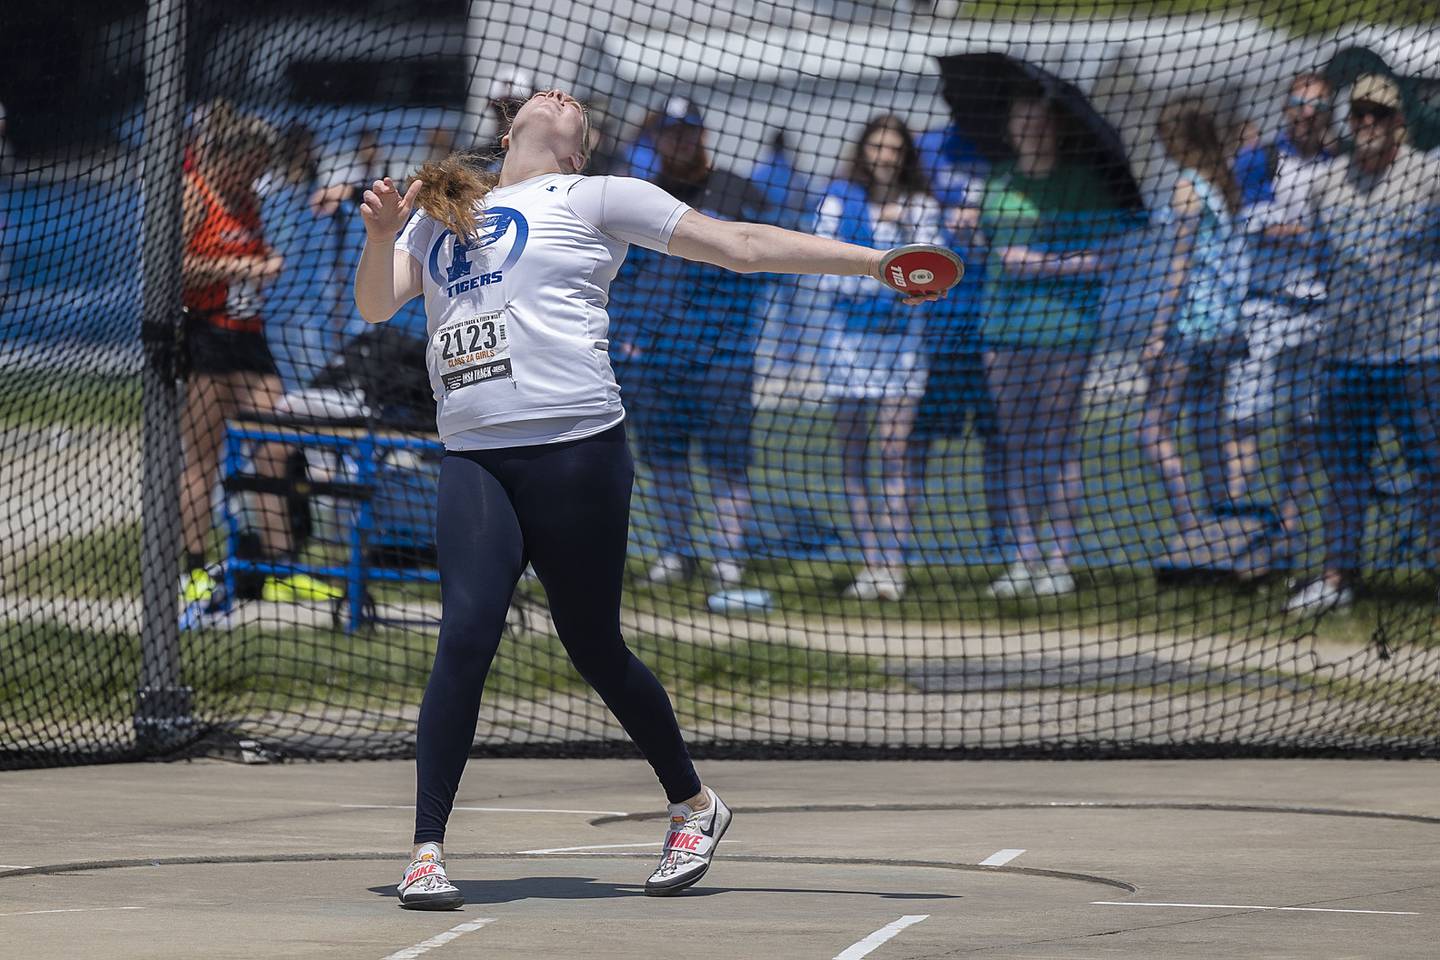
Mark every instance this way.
x=749 y=905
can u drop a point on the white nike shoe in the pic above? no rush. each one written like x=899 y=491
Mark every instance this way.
x=689 y=846
x=425 y=886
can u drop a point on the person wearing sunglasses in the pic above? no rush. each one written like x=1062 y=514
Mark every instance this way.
x=1375 y=212
x=1273 y=388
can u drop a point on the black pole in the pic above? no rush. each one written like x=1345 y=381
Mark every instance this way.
x=163 y=709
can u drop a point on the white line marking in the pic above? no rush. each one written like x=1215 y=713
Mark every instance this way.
x=439 y=940
x=31 y=913
x=1000 y=857
x=1249 y=906
x=606 y=846
x=857 y=950
x=411 y=806
x=14 y=866
x=596 y=846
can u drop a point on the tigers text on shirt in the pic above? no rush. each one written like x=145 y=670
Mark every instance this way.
x=516 y=316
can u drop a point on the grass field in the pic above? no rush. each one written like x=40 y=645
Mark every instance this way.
x=53 y=674
x=795 y=472
x=45 y=398
x=1302 y=16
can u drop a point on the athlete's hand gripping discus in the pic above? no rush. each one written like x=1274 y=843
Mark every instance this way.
x=921 y=270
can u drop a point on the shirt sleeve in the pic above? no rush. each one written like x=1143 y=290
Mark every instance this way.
x=628 y=210
x=415 y=236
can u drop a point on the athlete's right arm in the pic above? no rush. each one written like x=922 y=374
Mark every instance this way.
x=387 y=276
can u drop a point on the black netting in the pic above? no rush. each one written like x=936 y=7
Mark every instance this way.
x=1159 y=477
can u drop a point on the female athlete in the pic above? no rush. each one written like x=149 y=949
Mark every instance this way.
x=515 y=270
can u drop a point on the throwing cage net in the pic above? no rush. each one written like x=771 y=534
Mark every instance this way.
x=1157 y=479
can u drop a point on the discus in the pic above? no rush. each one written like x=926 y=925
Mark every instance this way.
x=920 y=269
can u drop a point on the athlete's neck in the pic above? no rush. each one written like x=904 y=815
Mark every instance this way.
x=521 y=164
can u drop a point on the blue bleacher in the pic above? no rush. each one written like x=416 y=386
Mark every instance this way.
x=53 y=236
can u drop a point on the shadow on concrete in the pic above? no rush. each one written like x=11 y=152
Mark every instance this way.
x=588 y=888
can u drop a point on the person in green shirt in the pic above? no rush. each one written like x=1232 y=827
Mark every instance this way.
x=1042 y=215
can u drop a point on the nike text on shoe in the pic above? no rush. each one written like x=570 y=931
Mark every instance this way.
x=689 y=846
x=425 y=886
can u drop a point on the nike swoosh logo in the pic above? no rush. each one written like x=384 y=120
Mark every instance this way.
x=713 y=819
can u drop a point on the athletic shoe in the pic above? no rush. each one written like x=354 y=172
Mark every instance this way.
x=196 y=586
x=425 y=886
x=204 y=614
x=209 y=608
x=727 y=573
x=1018 y=580
x=1319 y=596
x=669 y=568
x=298 y=586
x=1056 y=581
x=689 y=846
x=889 y=583
x=863 y=588
x=877 y=583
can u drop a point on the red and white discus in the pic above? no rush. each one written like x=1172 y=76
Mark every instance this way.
x=920 y=268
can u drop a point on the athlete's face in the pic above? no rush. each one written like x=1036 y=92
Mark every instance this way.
x=554 y=121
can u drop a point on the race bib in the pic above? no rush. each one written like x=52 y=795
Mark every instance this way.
x=472 y=351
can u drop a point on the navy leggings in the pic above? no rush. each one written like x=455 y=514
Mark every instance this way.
x=565 y=508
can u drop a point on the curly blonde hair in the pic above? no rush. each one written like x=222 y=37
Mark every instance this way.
x=451 y=189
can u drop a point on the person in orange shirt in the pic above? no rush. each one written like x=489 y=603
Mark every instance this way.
x=226 y=264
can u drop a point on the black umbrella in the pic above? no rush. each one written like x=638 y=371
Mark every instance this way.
x=979 y=87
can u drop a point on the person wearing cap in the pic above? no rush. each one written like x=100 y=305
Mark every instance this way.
x=685 y=334
x=1274 y=387
x=641 y=159
x=1375 y=212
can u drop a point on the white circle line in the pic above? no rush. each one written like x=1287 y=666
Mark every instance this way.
x=440 y=939
x=1249 y=906
x=863 y=947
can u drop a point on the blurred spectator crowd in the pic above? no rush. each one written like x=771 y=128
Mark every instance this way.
x=1291 y=331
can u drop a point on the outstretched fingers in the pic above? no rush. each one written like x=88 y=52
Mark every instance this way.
x=383 y=207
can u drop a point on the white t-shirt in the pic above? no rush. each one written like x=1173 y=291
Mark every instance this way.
x=516 y=319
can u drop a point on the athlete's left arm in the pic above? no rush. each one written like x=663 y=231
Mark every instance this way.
x=761 y=248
